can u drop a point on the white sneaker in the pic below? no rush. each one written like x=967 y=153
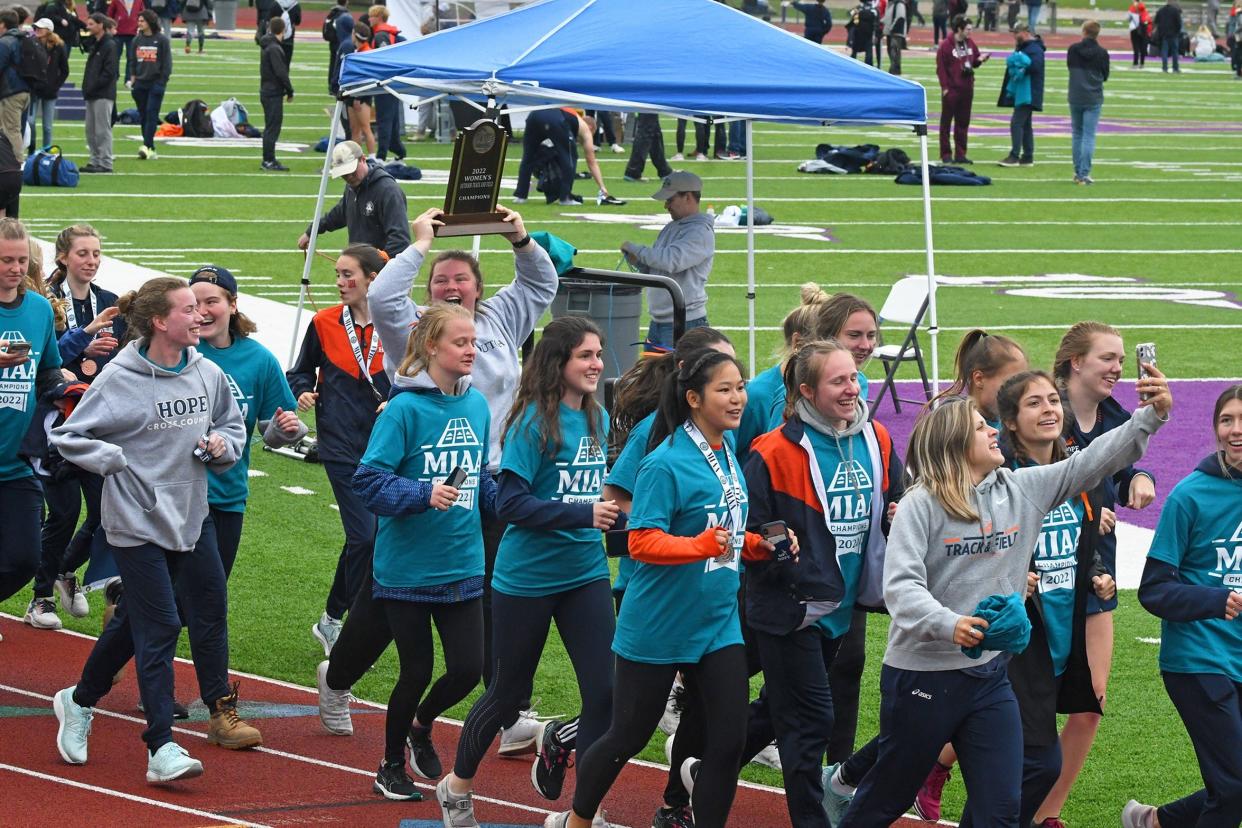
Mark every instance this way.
x=333 y=705
x=74 y=728
x=769 y=756
x=41 y=614
x=326 y=630
x=677 y=156
x=698 y=156
x=673 y=707
x=518 y=200
x=523 y=738
x=1137 y=815
x=72 y=598
x=618 y=149
x=600 y=820
x=171 y=762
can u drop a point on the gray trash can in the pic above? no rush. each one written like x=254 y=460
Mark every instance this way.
x=615 y=308
x=225 y=13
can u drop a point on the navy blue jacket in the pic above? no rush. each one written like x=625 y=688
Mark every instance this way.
x=1034 y=49
x=1163 y=594
x=11 y=82
x=818 y=18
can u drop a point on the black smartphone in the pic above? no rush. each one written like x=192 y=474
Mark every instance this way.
x=1144 y=354
x=777 y=534
x=456 y=477
x=15 y=348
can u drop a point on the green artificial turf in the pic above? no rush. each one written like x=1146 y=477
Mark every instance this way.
x=1165 y=211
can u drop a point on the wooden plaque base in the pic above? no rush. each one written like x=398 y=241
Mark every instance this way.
x=473 y=224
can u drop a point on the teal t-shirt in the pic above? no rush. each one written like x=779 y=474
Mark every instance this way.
x=765 y=409
x=536 y=562
x=1056 y=563
x=424 y=435
x=679 y=613
x=259 y=387
x=31 y=321
x=1200 y=533
x=864 y=387
x=848 y=490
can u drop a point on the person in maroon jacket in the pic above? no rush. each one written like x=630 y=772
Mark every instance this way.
x=125 y=13
x=956 y=61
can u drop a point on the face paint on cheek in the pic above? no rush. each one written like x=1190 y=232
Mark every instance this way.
x=351 y=283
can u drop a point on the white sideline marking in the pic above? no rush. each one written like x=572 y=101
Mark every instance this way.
x=297 y=490
x=1143 y=640
x=256 y=473
x=60 y=780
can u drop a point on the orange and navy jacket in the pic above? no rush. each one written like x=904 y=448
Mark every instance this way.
x=346 y=409
x=390 y=35
x=778 y=480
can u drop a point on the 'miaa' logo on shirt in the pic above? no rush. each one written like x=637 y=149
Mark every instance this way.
x=1229 y=559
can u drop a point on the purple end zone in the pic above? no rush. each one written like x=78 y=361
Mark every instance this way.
x=1172 y=454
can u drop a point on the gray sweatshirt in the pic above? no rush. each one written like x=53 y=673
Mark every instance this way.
x=138 y=426
x=502 y=324
x=684 y=250
x=939 y=568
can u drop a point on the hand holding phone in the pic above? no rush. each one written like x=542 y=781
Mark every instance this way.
x=456 y=477
x=1144 y=355
x=777 y=534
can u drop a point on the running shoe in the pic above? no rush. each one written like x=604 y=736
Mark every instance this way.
x=618 y=149
x=394 y=783
x=72 y=598
x=769 y=757
x=605 y=198
x=74 y=728
x=560 y=820
x=1008 y=161
x=680 y=817
x=456 y=809
x=1137 y=815
x=673 y=707
x=677 y=156
x=326 y=631
x=424 y=760
x=522 y=738
x=835 y=804
x=170 y=763
x=333 y=705
x=547 y=773
x=700 y=156
x=41 y=614
x=927 y=803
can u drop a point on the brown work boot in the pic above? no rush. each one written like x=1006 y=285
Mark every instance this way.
x=227 y=729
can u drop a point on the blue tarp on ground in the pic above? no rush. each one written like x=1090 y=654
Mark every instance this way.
x=684 y=57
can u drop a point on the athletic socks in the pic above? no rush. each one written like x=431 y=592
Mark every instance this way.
x=839 y=786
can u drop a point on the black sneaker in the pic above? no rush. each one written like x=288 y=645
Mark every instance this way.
x=274 y=166
x=424 y=760
x=1008 y=161
x=1027 y=162
x=547 y=774
x=962 y=160
x=394 y=783
x=180 y=711
x=680 y=817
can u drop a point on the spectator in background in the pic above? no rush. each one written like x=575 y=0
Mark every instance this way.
x=1033 y=8
x=1211 y=13
x=343 y=29
x=44 y=94
x=99 y=91
x=389 y=122
x=896 y=23
x=125 y=14
x=195 y=14
x=605 y=133
x=358 y=109
x=940 y=20
x=1140 y=25
x=817 y=19
x=1023 y=89
x=1169 y=33
x=65 y=21
x=1088 y=70
x=274 y=90
x=956 y=61
x=10 y=179
x=864 y=21
x=648 y=140
x=289 y=11
x=152 y=69
x=167 y=11
x=332 y=36
x=14 y=93
x=372 y=207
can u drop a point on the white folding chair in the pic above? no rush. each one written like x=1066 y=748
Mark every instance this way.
x=906 y=304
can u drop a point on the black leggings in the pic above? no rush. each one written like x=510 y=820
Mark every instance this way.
x=460 y=626
x=64 y=549
x=585 y=622
x=640 y=693
x=845 y=679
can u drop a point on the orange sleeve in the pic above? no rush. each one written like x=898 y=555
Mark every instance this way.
x=655 y=546
x=753 y=549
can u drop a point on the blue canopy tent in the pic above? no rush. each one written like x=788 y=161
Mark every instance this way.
x=689 y=58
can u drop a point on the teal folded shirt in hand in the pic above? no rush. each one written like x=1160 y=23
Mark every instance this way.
x=1009 y=630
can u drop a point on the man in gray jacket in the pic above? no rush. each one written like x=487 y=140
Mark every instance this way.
x=372 y=207
x=683 y=251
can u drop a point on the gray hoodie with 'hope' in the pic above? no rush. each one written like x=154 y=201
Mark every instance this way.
x=138 y=426
x=938 y=568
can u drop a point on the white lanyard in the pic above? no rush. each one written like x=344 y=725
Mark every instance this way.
x=732 y=492
x=71 y=318
x=365 y=367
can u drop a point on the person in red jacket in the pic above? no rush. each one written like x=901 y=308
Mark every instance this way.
x=956 y=60
x=125 y=13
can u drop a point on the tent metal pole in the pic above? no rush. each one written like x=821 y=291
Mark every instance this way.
x=750 y=241
x=304 y=290
x=475 y=246
x=933 y=321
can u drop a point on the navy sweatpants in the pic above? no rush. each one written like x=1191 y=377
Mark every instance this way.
x=147 y=624
x=1211 y=710
x=353 y=568
x=919 y=713
x=19 y=542
x=1041 y=767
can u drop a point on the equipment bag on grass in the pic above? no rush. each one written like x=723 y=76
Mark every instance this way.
x=48 y=168
x=944 y=174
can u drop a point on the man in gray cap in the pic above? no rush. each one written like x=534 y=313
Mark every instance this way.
x=684 y=251
x=372 y=207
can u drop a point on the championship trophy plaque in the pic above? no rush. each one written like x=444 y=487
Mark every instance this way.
x=474 y=182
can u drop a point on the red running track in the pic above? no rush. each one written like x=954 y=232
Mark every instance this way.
x=301 y=776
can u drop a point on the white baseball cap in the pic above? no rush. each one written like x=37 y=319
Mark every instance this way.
x=345 y=158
